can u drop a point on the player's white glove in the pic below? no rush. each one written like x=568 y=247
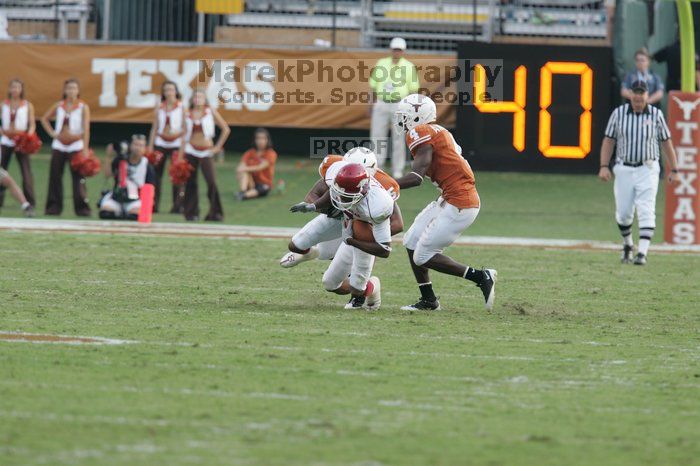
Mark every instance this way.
x=303 y=207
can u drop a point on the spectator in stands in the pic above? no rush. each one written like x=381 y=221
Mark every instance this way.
x=71 y=135
x=17 y=117
x=392 y=79
x=131 y=170
x=642 y=73
x=256 y=171
x=166 y=137
x=198 y=146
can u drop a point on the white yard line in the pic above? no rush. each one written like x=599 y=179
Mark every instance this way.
x=256 y=232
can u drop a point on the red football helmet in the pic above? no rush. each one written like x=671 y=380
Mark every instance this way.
x=350 y=186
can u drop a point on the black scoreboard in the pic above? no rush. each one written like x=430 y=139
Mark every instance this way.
x=552 y=111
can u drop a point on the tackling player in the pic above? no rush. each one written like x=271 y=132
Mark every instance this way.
x=321 y=237
x=361 y=198
x=437 y=156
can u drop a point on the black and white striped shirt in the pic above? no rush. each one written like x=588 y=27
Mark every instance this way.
x=637 y=135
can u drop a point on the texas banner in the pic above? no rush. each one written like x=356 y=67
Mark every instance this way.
x=249 y=87
x=682 y=219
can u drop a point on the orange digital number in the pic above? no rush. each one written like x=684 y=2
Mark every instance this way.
x=584 y=122
x=516 y=106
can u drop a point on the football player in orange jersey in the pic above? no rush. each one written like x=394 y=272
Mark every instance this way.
x=321 y=237
x=437 y=156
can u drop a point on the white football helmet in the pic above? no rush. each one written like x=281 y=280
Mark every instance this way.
x=364 y=157
x=414 y=110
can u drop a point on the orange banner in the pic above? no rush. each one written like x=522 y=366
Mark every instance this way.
x=682 y=216
x=251 y=87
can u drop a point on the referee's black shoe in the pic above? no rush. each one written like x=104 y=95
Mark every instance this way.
x=627 y=254
x=641 y=259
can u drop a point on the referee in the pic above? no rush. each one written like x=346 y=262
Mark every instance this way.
x=636 y=128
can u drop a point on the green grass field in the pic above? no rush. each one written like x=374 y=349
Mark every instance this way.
x=514 y=204
x=236 y=361
x=232 y=360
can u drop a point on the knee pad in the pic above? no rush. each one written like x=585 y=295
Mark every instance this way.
x=329 y=284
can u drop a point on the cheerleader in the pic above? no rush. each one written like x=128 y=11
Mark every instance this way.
x=17 y=117
x=71 y=134
x=198 y=146
x=166 y=137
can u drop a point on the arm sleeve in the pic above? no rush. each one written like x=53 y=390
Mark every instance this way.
x=417 y=137
x=659 y=82
x=664 y=133
x=627 y=81
x=382 y=231
x=610 y=128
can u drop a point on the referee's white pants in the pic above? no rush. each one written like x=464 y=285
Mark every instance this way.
x=636 y=188
x=382 y=123
x=435 y=228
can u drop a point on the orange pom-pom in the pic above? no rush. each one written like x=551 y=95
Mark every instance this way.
x=154 y=157
x=86 y=165
x=180 y=170
x=26 y=143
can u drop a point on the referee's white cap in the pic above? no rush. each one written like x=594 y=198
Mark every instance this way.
x=397 y=43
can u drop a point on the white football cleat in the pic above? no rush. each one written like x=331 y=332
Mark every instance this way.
x=292 y=259
x=374 y=300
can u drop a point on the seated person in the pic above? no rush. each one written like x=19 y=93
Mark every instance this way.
x=131 y=170
x=257 y=168
x=643 y=73
x=7 y=182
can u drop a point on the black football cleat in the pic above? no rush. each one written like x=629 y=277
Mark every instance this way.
x=627 y=254
x=641 y=259
x=356 y=302
x=423 y=305
x=488 y=287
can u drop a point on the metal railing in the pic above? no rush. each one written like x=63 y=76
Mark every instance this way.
x=47 y=19
x=436 y=25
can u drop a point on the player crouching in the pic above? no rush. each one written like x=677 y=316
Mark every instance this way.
x=367 y=208
x=131 y=172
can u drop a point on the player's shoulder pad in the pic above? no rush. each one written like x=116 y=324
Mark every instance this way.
x=419 y=135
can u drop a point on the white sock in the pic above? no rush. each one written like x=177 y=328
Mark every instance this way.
x=644 y=246
x=25 y=205
x=627 y=240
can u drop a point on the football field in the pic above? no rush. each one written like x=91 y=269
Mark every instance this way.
x=200 y=350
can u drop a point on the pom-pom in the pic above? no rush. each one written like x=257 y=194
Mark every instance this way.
x=180 y=169
x=26 y=143
x=154 y=157
x=86 y=165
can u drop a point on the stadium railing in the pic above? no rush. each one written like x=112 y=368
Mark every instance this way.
x=434 y=26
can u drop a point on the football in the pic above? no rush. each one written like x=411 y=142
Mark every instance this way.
x=362 y=231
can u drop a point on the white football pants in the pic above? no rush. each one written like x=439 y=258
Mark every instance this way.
x=351 y=261
x=635 y=189
x=435 y=228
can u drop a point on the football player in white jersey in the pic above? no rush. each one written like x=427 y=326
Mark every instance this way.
x=361 y=198
x=321 y=237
